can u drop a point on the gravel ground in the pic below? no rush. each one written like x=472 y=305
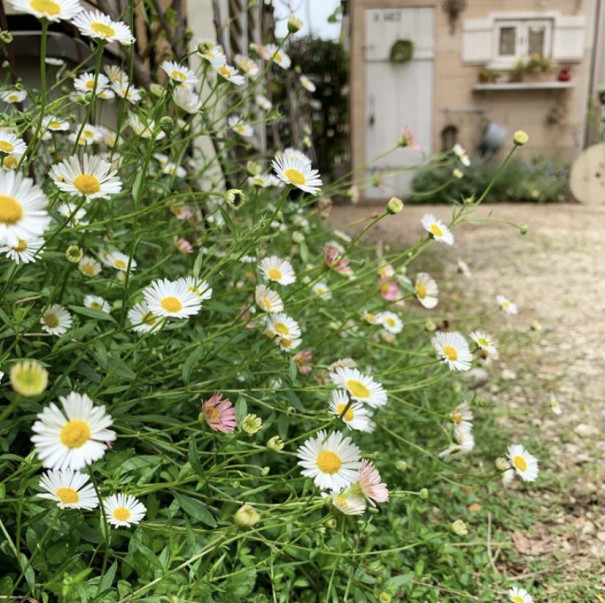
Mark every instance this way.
x=554 y=346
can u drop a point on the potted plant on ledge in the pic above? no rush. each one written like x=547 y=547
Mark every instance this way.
x=535 y=68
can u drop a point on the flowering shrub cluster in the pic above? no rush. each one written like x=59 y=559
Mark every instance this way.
x=203 y=385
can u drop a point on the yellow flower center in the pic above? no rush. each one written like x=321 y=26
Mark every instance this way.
x=518 y=599
x=357 y=388
x=10 y=162
x=46 y=6
x=21 y=246
x=51 y=321
x=457 y=417
x=295 y=176
x=87 y=184
x=266 y=303
x=148 y=318
x=120 y=264
x=54 y=125
x=68 y=496
x=212 y=414
x=103 y=29
x=482 y=342
x=436 y=230
x=342 y=501
x=6 y=146
x=391 y=322
x=90 y=84
x=506 y=304
x=11 y=210
x=328 y=462
x=171 y=304
x=95 y=305
x=87 y=134
x=420 y=290
x=13 y=98
x=450 y=353
x=87 y=269
x=240 y=128
x=75 y=433
x=121 y=514
x=225 y=71
x=282 y=328
x=285 y=342
x=520 y=463
x=274 y=274
x=278 y=57
x=178 y=75
x=349 y=415
x=31 y=379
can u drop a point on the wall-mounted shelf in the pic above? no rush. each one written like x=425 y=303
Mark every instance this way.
x=523 y=86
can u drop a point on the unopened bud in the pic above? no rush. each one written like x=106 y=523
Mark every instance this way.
x=298 y=237
x=6 y=37
x=520 y=138
x=246 y=516
x=401 y=465
x=156 y=89
x=331 y=523
x=459 y=528
x=167 y=124
x=251 y=423
x=424 y=494
x=275 y=443
x=204 y=47
x=253 y=168
x=502 y=464
x=394 y=206
x=235 y=198
x=457 y=173
x=74 y=254
x=294 y=24
x=524 y=229
x=385 y=597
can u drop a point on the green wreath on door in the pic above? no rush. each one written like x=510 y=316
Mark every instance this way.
x=402 y=51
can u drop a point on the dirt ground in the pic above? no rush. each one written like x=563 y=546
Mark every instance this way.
x=554 y=346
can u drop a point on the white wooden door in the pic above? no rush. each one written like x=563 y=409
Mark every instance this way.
x=397 y=95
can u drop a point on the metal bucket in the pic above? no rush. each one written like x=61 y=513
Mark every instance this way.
x=494 y=136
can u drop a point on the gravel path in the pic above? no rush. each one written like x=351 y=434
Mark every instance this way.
x=555 y=346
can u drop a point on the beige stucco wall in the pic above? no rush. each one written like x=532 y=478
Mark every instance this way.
x=555 y=119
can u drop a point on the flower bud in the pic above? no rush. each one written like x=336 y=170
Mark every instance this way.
x=6 y=37
x=424 y=494
x=385 y=597
x=298 y=237
x=74 y=254
x=204 y=47
x=459 y=528
x=502 y=464
x=253 y=168
x=167 y=124
x=524 y=229
x=294 y=24
x=401 y=465
x=457 y=173
x=28 y=378
x=156 y=89
x=331 y=523
x=265 y=470
x=520 y=138
x=246 y=516
x=275 y=443
x=306 y=142
x=235 y=198
x=394 y=206
x=251 y=424
x=429 y=325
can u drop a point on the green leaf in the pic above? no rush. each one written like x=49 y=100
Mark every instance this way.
x=283 y=423
x=397 y=582
x=197 y=266
x=190 y=363
x=108 y=578
x=193 y=456
x=195 y=509
x=304 y=252
x=93 y=313
x=240 y=585
x=241 y=410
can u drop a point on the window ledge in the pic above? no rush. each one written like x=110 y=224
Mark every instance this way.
x=524 y=86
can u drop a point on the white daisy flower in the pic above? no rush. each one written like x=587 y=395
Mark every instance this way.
x=127 y=91
x=357 y=416
x=211 y=51
x=268 y=300
x=287 y=345
x=173 y=169
x=278 y=56
x=92 y=177
x=187 y=99
x=462 y=417
x=118 y=260
x=229 y=73
x=144 y=130
x=56 y=320
x=247 y=65
x=10 y=162
x=465 y=444
x=331 y=460
x=464 y=268
x=123 y=510
x=306 y=83
x=322 y=290
x=296 y=155
x=179 y=74
x=89 y=266
x=115 y=74
x=524 y=463
x=555 y=406
x=89 y=135
x=24 y=251
x=277 y=270
x=461 y=154
x=485 y=342
x=452 y=348
x=282 y=326
x=426 y=290
x=262 y=102
x=74 y=438
x=349 y=504
x=75 y=213
x=240 y=127
x=100 y=26
x=171 y=299
x=97 y=303
x=52 y=123
x=360 y=387
x=86 y=81
x=506 y=305
x=69 y=489
x=11 y=143
x=53 y=10
x=293 y=170
x=200 y=288
x=519 y=595
x=23 y=213
x=142 y=319
x=438 y=230
x=390 y=321
x=13 y=96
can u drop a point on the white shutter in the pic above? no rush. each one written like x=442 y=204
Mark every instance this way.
x=568 y=38
x=477 y=40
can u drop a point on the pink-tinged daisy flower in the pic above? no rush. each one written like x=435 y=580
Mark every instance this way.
x=389 y=290
x=437 y=229
x=369 y=483
x=408 y=139
x=333 y=259
x=303 y=361
x=219 y=413
x=182 y=245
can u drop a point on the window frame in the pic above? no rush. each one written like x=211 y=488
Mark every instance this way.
x=522 y=26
